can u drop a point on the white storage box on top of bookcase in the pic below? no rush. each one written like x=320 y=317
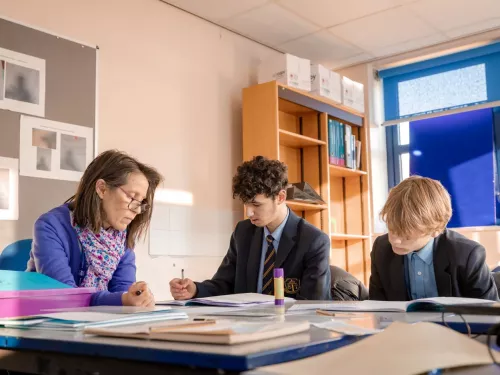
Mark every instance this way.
x=287 y=69
x=353 y=94
x=326 y=83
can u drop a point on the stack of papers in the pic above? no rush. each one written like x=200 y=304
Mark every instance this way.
x=209 y=331
x=91 y=317
x=230 y=300
x=419 y=305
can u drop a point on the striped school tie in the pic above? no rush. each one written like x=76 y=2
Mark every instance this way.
x=267 y=275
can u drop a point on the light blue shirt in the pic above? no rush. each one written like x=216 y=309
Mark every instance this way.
x=421 y=272
x=277 y=236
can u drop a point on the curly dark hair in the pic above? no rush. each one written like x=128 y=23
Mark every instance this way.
x=259 y=176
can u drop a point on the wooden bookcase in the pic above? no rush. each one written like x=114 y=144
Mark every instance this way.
x=283 y=123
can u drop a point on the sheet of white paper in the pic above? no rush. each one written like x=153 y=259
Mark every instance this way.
x=402 y=349
x=387 y=306
x=97 y=319
x=455 y=301
x=22 y=83
x=9 y=188
x=56 y=150
x=240 y=298
x=344 y=328
x=229 y=300
x=352 y=306
x=263 y=311
x=81 y=316
x=206 y=310
x=110 y=309
x=244 y=300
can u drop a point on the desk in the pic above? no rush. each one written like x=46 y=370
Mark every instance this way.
x=98 y=355
x=58 y=352
x=41 y=349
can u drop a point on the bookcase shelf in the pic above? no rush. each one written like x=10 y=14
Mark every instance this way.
x=348 y=237
x=302 y=206
x=294 y=140
x=338 y=171
x=289 y=125
x=301 y=101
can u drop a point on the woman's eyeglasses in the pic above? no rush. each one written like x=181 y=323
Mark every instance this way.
x=135 y=204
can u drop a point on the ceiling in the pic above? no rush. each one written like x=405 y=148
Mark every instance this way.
x=339 y=33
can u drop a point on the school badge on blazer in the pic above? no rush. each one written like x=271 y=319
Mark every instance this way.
x=292 y=286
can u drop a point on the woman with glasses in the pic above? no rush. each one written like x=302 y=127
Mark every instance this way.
x=89 y=241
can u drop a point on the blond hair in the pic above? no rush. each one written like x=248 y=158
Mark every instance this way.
x=418 y=205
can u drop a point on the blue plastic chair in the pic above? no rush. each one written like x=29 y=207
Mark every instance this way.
x=15 y=256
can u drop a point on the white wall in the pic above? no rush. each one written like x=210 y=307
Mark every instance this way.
x=169 y=93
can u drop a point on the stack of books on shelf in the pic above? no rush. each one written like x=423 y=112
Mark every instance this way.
x=343 y=148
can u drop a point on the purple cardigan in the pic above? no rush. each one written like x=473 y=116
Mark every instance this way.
x=56 y=253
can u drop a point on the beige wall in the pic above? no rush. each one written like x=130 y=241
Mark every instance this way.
x=489 y=237
x=170 y=94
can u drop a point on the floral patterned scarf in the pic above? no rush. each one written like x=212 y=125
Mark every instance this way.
x=103 y=251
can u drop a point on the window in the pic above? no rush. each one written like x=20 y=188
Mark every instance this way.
x=453 y=89
x=398 y=153
x=448 y=82
x=457 y=150
x=454 y=150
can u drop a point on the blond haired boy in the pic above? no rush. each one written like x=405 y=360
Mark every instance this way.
x=419 y=257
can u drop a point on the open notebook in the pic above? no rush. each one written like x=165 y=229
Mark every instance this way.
x=229 y=300
x=419 y=305
x=224 y=332
x=102 y=316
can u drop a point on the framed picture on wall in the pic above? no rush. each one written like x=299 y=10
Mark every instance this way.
x=52 y=149
x=22 y=83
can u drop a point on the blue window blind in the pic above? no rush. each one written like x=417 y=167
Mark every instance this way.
x=453 y=81
x=458 y=150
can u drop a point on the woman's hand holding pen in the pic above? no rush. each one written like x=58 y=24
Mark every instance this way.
x=138 y=295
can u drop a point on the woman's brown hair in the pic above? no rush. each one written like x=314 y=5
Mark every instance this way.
x=113 y=167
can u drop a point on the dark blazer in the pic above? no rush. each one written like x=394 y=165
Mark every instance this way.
x=459 y=268
x=303 y=253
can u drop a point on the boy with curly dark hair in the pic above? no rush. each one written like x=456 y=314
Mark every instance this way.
x=272 y=237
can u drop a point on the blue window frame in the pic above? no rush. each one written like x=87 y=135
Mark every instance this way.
x=398 y=152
